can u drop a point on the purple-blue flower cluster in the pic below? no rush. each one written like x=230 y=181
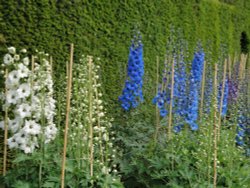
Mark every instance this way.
x=225 y=98
x=180 y=94
x=194 y=87
x=132 y=91
x=161 y=100
x=241 y=130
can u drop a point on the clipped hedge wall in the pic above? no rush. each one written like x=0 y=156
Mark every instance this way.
x=103 y=28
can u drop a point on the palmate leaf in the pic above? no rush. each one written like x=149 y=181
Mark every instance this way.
x=22 y=184
x=52 y=182
x=21 y=158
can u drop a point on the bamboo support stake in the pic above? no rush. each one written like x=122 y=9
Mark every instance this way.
x=5 y=132
x=229 y=67
x=67 y=70
x=202 y=90
x=222 y=96
x=171 y=103
x=91 y=158
x=215 y=126
x=69 y=85
x=157 y=118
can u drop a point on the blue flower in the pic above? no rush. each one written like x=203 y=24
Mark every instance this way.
x=163 y=112
x=242 y=130
x=178 y=128
x=132 y=91
x=194 y=87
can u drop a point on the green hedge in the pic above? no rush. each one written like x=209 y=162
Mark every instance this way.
x=104 y=28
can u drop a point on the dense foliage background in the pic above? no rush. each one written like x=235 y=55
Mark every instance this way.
x=104 y=28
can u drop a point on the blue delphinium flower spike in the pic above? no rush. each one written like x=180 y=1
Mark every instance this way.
x=132 y=92
x=195 y=83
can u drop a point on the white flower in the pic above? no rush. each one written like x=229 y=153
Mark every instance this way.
x=31 y=127
x=105 y=137
x=14 y=125
x=2 y=125
x=13 y=79
x=23 y=51
x=8 y=59
x=20 y=138
x=12 y=142
x=12 y=97
x=27 y=148
x=105 y=170
x=23 y=70
x=37 y=86
x=24 y=90
x=26 y=61
x=50 y=132
x=16 y=57
x=24 y=110
x=101 y=114
x=12 y=50
x=99 y=102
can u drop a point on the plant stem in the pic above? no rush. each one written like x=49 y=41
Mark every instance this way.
x=69 y=84
x=215 y=126
x=5 y=131
x=229 y=67
x=171 y=102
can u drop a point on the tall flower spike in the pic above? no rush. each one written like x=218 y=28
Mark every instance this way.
x=132 y=92
x=195 y=83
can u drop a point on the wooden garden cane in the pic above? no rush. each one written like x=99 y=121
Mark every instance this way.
x=215 y=126
x=90 y=63
x=5 y=131
x=171 y=103
x=202 y=90
x=69 y=85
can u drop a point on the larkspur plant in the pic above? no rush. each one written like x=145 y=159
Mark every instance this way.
x=28 y=101
x=132 y=92
x=90 y=137
x=180 y=93
x=194 y=86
